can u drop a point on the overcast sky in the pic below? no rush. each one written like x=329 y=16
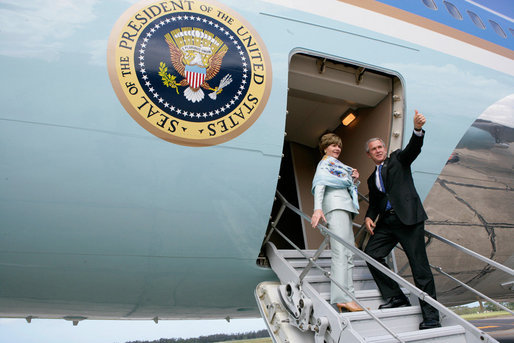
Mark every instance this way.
x=116 y=331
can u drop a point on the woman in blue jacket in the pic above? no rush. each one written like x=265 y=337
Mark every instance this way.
x=336 y=202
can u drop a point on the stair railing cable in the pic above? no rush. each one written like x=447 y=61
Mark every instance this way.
x=440 y=270
x=413 y=289
x=469 y=288
x=465 y=250
x=430 y=236
x=471 y=253
x=312 y=259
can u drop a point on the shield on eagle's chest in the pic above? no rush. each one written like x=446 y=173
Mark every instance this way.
x=195 y=75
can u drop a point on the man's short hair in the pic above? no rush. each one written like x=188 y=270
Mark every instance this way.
x=372 y=140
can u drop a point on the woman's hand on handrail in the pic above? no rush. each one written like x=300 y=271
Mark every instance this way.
x=316 y=216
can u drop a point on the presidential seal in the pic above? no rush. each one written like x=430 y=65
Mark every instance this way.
x=190 y=72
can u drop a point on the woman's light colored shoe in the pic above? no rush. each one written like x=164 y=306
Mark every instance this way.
x=351 y=307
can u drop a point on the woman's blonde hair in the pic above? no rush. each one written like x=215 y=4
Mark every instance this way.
x=328 y=139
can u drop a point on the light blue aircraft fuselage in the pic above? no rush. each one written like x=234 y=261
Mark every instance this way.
x=102 y=218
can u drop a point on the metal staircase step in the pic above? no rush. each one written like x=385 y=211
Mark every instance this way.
x=358 y=285
x=401 y=319
x=318 y=321
x=296 y=256
x=370 y=298
x=323 y=262
x=316 y=276
x=292 y=253
x=447 y=334
x=363 y=280
x=300 y=264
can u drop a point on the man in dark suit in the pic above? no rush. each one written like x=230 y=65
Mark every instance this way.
x=401 y=219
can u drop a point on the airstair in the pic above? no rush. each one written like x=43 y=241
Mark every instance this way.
x=297 y=308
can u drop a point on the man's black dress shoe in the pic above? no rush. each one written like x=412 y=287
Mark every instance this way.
x=429 y=324
x=396 y=301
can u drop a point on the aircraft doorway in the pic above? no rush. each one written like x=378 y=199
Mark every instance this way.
x=321 y=93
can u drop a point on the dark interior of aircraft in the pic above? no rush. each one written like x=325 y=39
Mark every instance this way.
x=322 y=92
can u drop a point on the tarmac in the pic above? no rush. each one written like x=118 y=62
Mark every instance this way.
x=500 y=328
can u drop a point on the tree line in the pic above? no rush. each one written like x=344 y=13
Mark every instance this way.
x=486 y=306
x=211 y=338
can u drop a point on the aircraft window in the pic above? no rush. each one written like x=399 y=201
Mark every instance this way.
x=476 y=20
x=453 y=10
x=497 y=28
x=430 y=4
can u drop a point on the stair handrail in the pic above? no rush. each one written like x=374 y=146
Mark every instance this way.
x=471 y=253
x=312 y=261
x=471 y=289
x=463 y=249
x=413 y=289
x=440 y=270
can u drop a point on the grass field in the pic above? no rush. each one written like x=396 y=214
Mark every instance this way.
x=473 y=316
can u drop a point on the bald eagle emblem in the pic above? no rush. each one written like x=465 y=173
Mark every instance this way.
x=197 y=56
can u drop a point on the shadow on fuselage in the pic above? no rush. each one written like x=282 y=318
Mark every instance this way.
x=500 y=133
x=471 y=204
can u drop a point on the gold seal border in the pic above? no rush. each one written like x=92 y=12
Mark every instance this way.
x=116 y=82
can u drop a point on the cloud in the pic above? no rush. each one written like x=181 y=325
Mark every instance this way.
x=449 y=85
x=39 y=28
x=502 y=112
x=97 y=52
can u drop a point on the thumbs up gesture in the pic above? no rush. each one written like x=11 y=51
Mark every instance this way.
x=419 y=120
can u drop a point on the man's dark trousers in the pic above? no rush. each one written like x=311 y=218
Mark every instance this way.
x=388 y=232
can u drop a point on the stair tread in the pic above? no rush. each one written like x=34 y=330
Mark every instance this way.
x=292 y=253
x=360 y=294
x=404 y=321
x=324 y=262
x=386 y=313
x=421 y=334
x=365 y=293
x=322 y=278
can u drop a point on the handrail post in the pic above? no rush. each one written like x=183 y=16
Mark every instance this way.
x=413 y=289
x=471 y=253
x=440 y=270
x=274 y=223
x=314 y=258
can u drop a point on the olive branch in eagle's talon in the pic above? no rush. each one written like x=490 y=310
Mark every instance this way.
x=167 y=79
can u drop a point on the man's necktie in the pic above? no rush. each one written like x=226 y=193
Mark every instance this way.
x=379 y=171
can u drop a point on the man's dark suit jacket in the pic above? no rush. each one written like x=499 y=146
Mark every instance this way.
x=400 y=190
